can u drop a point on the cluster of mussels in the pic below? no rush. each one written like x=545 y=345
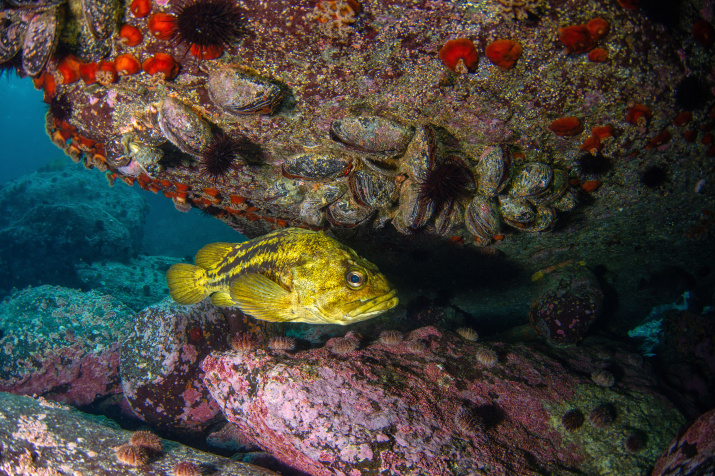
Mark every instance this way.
x=378 y=169
x=234 y=90
x=30 y=30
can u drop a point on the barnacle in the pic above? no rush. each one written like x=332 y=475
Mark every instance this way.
x=519 y=9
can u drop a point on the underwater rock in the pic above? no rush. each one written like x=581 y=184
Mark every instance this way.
x=38 y=436
x=693 y=452
x=61 y=216
x=160 y=360
x=388 y=408
x=138 y=283
x=62 y=344
x=569 y=301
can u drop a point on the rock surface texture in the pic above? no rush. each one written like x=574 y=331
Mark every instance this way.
x=40 y=437
x=434 y=404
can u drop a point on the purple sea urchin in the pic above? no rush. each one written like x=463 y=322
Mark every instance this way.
x=448 y=181
x=132 y=455
x=207 y=27
x=654 y=176
x=146 y=440
x=604 y=378
x=60 y=107
x=592 y=165
x=220 y=157
x=281 y=343
x=467 y=420
x=390 y=337
x=635 y=442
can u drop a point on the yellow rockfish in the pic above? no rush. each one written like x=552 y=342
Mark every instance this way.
x=290 y=275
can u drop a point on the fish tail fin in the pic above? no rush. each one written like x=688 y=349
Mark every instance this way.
x=187 y=283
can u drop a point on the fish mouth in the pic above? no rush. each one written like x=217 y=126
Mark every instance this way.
x=375 y=306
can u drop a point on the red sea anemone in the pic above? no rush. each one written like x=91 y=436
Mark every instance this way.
x=459 y=55
x=161 y=63
x=204 y=27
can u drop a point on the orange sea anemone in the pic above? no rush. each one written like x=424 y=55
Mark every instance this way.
x=638 y=115
x=598 y=55
x=140 y=8
x=597 y=28
x=459 y=55
x=67 y=70
x=576 y=38
x=88 y=72
x=567 y=126
x=162 y=25
x=161 y=63
x=503 y=53
x=106 y=73
x=127 y=64
x=130 y=35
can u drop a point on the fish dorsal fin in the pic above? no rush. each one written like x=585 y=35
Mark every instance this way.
x=212 y=254
x=262 y=298
x=221 y=299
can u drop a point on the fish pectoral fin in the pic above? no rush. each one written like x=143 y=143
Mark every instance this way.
x=262 y=298
x=221 y=299
x=187 y=283
x=213 y=254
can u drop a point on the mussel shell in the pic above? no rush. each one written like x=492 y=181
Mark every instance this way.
x=316 y=166
x=312 y=209
x=41 y=38
x=284 y=192
x=493 y=170
x=371 y=134
x=516 y=211
x=183 y=127
x=482 y=217
x=533 y=178
x=449 y=219
x=115 y=151
x=99 y=15
x=412 y=213
x=147 y=157
x=242 y=93
x=559 y=185
x=11 y=39
x=567 y=202
x=372 y=190
x=545 y=219
x=310 y=213
x=347 y=213
x=419 y=157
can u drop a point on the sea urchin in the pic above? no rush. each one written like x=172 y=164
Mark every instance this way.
x=447 y=182
x=220 y=157
x=207 y=27
x=60 y=108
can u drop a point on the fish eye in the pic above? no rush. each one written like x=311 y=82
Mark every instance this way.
x=355 y=278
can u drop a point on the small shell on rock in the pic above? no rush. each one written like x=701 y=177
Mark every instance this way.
x=469 y=334
x=567 y=202
x=41 y=38
x=419 y=156
x=183 y=127
x=99 y=15
x=486 y=357
x=285 y=192
x=239 y=92
x=347 y=213
x=371 y=134
x=372 y=190
x=116 y=151
x=147 y=157
x=316 y=166
x=545 y=219
x=493 y=170
x=533 y=179
x=559 y=185
x=604 y=378
x=516 y=212
x=311 y=213
x=412 y=214
x=482 y=218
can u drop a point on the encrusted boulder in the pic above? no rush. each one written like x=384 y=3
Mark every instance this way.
x=41 y=437
x=692 y=452
x=160 y=361
x=434 y=404
x=62 y=344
